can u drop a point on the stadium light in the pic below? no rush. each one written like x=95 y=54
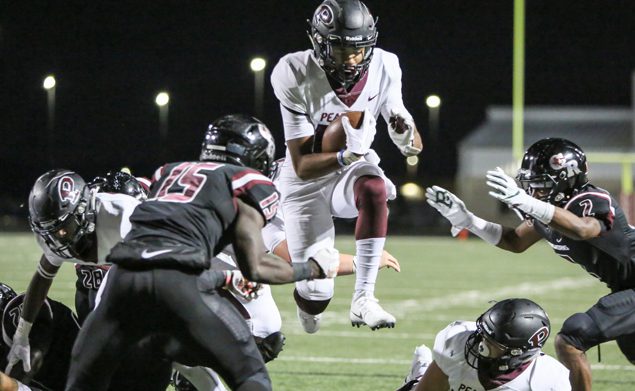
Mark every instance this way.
x=411 y=191
x=258 y=65
x=49 y=82
x=162 y=99
x=49 y=85
x=434 y=103
x=412 y=160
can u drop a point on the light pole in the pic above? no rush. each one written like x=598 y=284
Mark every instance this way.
x=258 y=65
x=49 y=86
x=162 y=100
x=434 y=103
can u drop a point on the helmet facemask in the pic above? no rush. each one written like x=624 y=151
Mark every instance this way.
x=484 y=352
x=553 y=170
x=65 y=235
x=340 y=29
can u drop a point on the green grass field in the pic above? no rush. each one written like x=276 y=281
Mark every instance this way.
x=442 y=280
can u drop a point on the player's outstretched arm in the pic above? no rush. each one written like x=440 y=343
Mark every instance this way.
x=347 y=261
x=575 y=227
x=33 y=300
x=257 y=265
x=453 y=208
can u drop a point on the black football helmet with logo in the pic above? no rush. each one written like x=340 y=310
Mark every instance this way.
x=61 y=211
x=342 y=23
x=239 y=139
x=517 y=327
x=553 y=168
x=122 y=182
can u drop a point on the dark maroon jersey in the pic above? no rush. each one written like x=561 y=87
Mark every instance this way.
x=194 y=204
x=610 y=256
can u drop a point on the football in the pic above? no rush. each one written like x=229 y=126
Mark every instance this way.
x=334 y=137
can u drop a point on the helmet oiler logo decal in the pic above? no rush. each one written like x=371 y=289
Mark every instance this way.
x=66 y=189
x=325 y=15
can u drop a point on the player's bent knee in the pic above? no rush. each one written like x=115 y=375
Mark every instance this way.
x=309 y=306
x=578 y=331
x=271 y=345
x=371 y=188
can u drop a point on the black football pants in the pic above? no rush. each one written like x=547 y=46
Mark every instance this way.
x=165 y=307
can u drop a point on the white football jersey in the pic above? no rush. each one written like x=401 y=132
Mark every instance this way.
x=112 y=224
x=543 y=374
x=308 y=100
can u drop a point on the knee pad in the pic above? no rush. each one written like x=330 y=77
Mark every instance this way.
x=313 y=307
x=271 y=345
x=315 y=290
x=580 y=331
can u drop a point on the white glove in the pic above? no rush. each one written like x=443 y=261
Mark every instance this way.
x=329 y=261
x=507 y=191
x=237 y=284
x=451 y=207
x=372 y=157
x=20 y=348
x=358 y=141
x=403 y=122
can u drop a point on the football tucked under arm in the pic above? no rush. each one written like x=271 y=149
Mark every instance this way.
x=334 y=137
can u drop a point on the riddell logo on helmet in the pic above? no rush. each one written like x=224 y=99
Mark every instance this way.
x=353 y=39
x=66 y=189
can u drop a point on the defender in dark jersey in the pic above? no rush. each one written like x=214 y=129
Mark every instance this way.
x=51 y=341
x=193 y=211
x=582 y=223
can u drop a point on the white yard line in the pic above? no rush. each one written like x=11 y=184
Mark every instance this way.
x=480 y=298
x=384 y=361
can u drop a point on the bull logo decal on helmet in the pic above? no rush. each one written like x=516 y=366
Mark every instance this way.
x=66 y=189
x=539 y=337
x=324 y=15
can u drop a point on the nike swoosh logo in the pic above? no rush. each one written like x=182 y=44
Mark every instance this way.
x=150 y=254
x=372 y=97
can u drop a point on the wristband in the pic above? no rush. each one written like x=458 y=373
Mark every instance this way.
x=488 y=231
x=340 y=158
x=301 y=271
x=354 y=263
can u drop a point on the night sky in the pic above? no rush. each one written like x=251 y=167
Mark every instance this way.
x=110 y=58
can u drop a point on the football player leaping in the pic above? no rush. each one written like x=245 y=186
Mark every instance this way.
x=582 y=223
x=343 y=72
x=500 y=351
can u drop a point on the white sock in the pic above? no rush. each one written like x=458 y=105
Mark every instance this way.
x=368 y=258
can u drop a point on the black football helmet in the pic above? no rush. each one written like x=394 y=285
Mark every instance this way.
x=517 y=327
x=344 y=24
x=6 y=295
x=553 y=168
x=239 y=139
x=117 y=181
x=62 y=211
